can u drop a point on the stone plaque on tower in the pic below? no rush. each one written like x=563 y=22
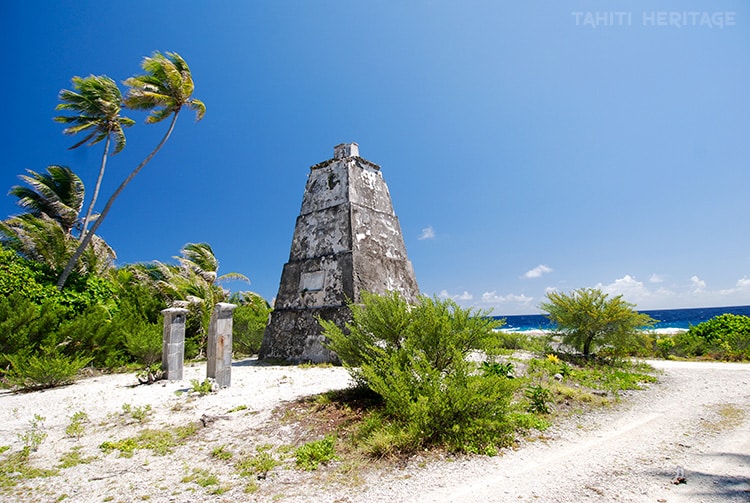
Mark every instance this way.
x=347 y=240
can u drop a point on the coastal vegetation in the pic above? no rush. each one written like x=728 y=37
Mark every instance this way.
x=586 y=319
x=435 y=375
x=64 y=303
x=724 y=337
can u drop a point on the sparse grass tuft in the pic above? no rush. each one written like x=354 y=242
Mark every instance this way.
x=15 y=468
x=34 y=436
x=257 y=465
x=160 y=442
x=202 y=388
x=310 y=455
x=221 y=452
x=138 y=412
x=74 y=458
x=237 y=409
x=728 y=416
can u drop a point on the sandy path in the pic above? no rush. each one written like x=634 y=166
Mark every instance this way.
x=697 y=418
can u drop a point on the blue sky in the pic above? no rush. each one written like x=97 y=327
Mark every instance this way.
x=527 y=145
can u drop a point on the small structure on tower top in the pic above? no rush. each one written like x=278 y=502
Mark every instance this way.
x=347 y=240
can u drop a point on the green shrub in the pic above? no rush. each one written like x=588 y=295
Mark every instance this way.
x=25 y=326
x=664 y=346
x=725 y=337
x=143 y=341
x=539 y=397
x=45 y=370
x=30 y=280
x=249 y=322
x=93 y=334
x=502 y=369
x=203 y=388
x=415 y=358
x=257 y=465
x=513 y=340
x=688 y=345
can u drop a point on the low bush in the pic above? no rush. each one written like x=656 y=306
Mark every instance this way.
x=143 y=341
x=724 y=337
x=249 y=322
x=48 y=369
x=415 y=358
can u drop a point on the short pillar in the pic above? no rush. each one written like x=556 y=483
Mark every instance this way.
x=219 y=350
x=173 y=343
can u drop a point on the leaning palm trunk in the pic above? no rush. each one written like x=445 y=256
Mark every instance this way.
x=90 y=234
x=95 y=196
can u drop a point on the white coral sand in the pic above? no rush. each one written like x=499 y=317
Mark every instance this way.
x=697 y=419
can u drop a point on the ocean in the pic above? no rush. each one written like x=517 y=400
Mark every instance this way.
x=667 y=319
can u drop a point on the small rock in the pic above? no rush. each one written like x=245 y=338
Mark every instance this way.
x=679 y=478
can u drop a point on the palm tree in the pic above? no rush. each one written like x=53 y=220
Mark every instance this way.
x=193 y=280
x=42 y=239
x=97 y=101
x=194 y=277
x=164 y=89
x=59 y=194
x=54 y=201
x=200 y=258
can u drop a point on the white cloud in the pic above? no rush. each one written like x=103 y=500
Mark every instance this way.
x=427 y=233
x=698 y=284
x=460 y=297
x=492 y=299
x=631 y=289
x=537 y=271
x=666 y=293
x=691 y=293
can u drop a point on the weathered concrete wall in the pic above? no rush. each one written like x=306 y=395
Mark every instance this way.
x=219 y=345
x=347 y=239
x=173 y=343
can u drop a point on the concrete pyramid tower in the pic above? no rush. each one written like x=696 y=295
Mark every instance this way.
x=347 y=240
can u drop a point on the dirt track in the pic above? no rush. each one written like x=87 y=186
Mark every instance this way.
x=696 y=418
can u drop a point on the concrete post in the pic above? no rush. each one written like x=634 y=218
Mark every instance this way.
x=219 y=350
x=173 y=343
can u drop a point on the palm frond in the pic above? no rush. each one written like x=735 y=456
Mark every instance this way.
x=198 y=107
x=98 y=103
x=59 y=194
x=233 y=276
x=164 y=89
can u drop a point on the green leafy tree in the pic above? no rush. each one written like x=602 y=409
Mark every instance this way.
x=97 y=102
x=587 y=319
x=163 y=90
